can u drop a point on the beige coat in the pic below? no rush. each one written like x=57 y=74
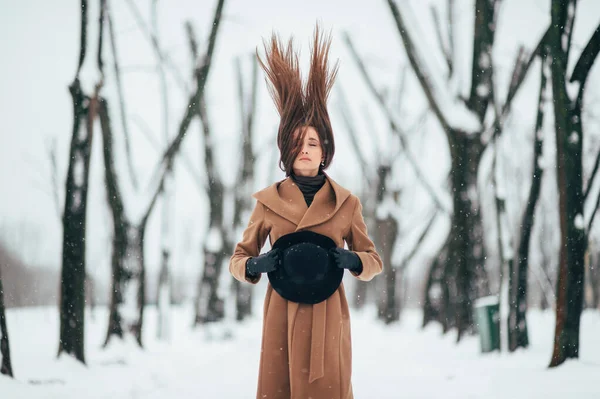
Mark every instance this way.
x=306 y=349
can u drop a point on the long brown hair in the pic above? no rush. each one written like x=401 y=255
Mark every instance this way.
x=299 y=106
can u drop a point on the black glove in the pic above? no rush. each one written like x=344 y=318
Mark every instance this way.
x=345 y=259
x=263 y=263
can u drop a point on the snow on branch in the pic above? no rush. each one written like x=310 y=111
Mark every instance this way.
x=451 y=112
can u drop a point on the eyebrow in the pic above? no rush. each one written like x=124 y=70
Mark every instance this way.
x=313 y=139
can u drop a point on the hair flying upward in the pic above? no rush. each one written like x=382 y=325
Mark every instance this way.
x=300 y=106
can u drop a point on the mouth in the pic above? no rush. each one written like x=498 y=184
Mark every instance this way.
x=304 y=159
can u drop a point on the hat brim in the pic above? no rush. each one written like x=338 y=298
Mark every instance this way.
x=306 y=292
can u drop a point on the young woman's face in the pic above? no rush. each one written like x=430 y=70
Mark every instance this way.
x=311 y=154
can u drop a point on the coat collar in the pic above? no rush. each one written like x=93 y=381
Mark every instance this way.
x=285 y=199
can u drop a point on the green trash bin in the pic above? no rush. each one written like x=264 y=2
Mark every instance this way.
x=487 y=321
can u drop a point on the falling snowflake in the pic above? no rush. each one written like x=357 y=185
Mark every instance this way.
x=574 y=138
x=579 y=221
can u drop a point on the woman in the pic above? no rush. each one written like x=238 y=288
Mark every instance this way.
x=306 y=349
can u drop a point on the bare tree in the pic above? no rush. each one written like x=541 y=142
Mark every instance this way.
x=517 y=322
x=72 y=297
x=128 y=268
x=5 y=365
x=463 y=253
x=569 y=145
x=244 y=183
x=385 y=228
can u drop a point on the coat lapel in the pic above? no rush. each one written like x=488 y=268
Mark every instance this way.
x=285 y=199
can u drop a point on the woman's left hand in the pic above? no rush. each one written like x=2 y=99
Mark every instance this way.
x=345 y=259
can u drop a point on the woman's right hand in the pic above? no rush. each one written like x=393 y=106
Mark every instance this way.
x=264 y=263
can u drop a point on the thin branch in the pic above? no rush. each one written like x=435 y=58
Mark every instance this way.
x=154 y=41
x=420 y=240
x=395 y=126
x=417 y=65
x=589 y=227
x=586 y=60
x=161 y=73
x=54 y=177
x=402 y=86
x=83 y=36
x=211 y=170
x=349 y=123
x=591 y=179
x=191 y=35
x=369 y=120
x=100 y=62
x=191 y=109
x=520 y=71
x=124 y=123
x=438 y=30
x=189 y=166
x=451 y=48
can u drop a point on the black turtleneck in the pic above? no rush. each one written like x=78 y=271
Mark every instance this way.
x=309 y=185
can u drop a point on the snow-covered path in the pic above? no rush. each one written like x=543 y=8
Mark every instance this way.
x=401 y=361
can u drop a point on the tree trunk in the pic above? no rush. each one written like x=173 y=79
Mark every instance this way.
x=72 y=298
x=5 y=365
x=389 y=306
x=209 y=307
x=72 y=288
x=569 y=139
x=464 y=270
x=128 y=285
x=517 y=321
x=163 y=300
x=245 y=181
x=385 y=237
x=128 y=289
x=128 y=274
x=436 y=295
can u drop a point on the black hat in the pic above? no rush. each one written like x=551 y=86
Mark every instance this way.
x=306 y=272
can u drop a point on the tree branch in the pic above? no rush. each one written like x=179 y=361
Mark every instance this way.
x=154 y=41
x=100 y=62
x=440 y=38
x=191 y=109
x=124 y=124
x=591 y=179
x=420 y=240
x=54 y=177
x=451 y=49
x=83 y=36
x=349 y=123
x=189 y=166
x=589 y=227
x=395 y=126
x=520 y=71
x=417 y=65
x=481 y=70
x=586 y=60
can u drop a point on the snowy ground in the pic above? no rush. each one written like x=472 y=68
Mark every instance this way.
x=389 y=362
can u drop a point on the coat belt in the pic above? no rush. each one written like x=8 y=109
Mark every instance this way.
x=317 y=342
